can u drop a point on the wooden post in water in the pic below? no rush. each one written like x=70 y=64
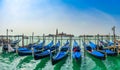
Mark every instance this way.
x=79 y=42
x=32 y=37
x=43 y=37
x=61 y=40
x=70 y=41
x=95 y=39
x=84 y=51
x=23 y=40
x=2 y=41
x=70 y=44
x=39 y=39
x=117 y=48
x=7 y=36
x=53 y=39
x=27 y=40
x=113 y=38
x=55 y=42
x=98 y=42
x=109 y=36
x=102 y=37
x=18 y=39
x=32 y=43
x=56 y=35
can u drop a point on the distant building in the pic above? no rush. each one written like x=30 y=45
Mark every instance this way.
x=65 y=34
x=60 y=34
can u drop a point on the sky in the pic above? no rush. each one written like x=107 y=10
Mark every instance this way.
x=76 y=17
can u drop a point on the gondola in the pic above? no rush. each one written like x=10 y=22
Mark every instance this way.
x=47 y=52
x=102 y=43
x=76 y=51
x=62 y=54
x=109 y=43
x=10 y=45
x=107 y=51
x=30 y=46
x=33 y=49
x=92 y=51
x=14 y=43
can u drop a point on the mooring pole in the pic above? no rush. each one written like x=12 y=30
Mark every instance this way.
x=102 y=37
x=27 y=40
x=55 y=38
x=117 y=47
x=18 y=39
x=84 y=51
x=32 y=36
x=84 y=47
x=2 y=41
x=95 y=39
x=98 y=42
x=43 y=37
x=30 y=39
x=55 y=42
x=61 y=40
x=32 y=44
x=109 y=36
x=79 y=41
x=70 y=41
x=23 y=40
x=7 y=36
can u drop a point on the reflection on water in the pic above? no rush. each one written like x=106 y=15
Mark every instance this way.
x=113 y=63
x=60 y=64
x=22 y=62
x=98 y=63
x=76 y=64
x=42 y=63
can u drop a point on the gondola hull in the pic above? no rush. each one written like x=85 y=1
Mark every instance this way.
x=109 y=52
x=77 y=57
x=25 y=53
x=42 y=55
x=48 y=52
x=62 y=54
x=56 y=61
x=99 y=57
x=76 y=51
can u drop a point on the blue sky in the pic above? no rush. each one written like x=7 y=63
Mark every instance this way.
x=70 y=16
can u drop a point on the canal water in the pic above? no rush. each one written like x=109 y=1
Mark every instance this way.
x=11 y=61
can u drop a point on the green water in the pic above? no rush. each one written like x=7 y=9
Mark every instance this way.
x=11 y=61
